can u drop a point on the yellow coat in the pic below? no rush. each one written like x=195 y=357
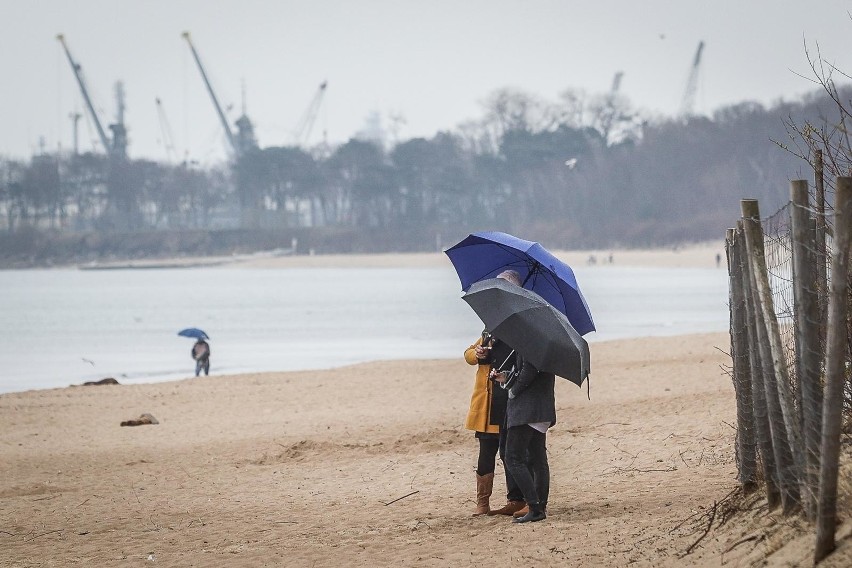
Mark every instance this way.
x=478 y=417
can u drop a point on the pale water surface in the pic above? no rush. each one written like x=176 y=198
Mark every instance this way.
x=61 y=327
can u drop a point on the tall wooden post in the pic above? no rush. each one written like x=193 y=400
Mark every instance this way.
x=786 y=437
x=758 y=386
x=746 y=449
x=819 y=208
x=808 y=351
x=835 y=355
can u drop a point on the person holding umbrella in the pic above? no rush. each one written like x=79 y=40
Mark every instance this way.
x=200 y=351
x=530 y=412
x=543 y=317
x=486 y=417
x=201 y=354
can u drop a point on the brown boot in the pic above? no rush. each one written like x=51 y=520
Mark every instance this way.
x=510 y=508
x=521 y=512
x=484 y=484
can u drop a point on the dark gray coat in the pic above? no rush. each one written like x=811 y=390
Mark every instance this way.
x=531 y=398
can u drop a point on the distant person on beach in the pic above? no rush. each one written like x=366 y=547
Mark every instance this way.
x=201 y=353
x=486 y=417
x=530 y=412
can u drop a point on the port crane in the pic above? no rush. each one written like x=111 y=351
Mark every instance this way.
x=244 y=140
x=303 y=129
x=616 y=84
x=688 y=102
x=117 y=146
x=75 y=120
x=166 y=130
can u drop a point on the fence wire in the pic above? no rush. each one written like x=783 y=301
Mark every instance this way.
x=778 y=248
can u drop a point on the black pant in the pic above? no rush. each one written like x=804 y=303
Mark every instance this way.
x=202 y=365
x=526 y=460
x=489 y=445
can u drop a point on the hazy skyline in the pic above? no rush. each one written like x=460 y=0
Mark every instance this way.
x=432 y=63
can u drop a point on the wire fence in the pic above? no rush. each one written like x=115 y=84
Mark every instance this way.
x=791 y=346
x=778 y=247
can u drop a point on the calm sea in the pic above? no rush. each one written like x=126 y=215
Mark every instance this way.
x=61 y=327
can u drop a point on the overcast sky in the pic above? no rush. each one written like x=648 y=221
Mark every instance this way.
x=432 y=62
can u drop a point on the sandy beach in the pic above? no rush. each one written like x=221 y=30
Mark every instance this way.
x=296 y=468
x=369 y=465
x=698 y=255
x=695 y=255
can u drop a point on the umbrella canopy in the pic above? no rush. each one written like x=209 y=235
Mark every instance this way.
x=485 y=255
x=193 y=332
x=531 y=326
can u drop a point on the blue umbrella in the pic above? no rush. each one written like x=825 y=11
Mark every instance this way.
x=193 y=332
x=486 y=254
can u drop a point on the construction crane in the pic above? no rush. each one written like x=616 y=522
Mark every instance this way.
x=609 y=113
x=75 y=119
x=688 y=102
x=166 y=131
x=119 y=132
x=302 y=133
x=118 y=145
x=244 y=139
x=616 y=83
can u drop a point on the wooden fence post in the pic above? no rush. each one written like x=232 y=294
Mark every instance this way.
x=746 y=450
x=819 y=208
x=835 y=355
x=758 y=387
x=808 y=351
x=821 y=251
x=786 y=438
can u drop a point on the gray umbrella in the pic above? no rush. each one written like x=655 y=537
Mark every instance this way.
x=524 y=321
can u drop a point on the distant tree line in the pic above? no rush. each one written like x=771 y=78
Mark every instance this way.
x=584 y=170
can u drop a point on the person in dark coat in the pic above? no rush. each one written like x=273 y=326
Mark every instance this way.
x=530 y=411
x=201 y=353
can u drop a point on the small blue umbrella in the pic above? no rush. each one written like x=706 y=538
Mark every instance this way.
x=193 y=332
x=486 y=254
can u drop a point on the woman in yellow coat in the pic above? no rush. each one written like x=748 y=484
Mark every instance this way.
x=485 y=417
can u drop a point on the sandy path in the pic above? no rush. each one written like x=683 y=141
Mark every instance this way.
x=294 y=468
